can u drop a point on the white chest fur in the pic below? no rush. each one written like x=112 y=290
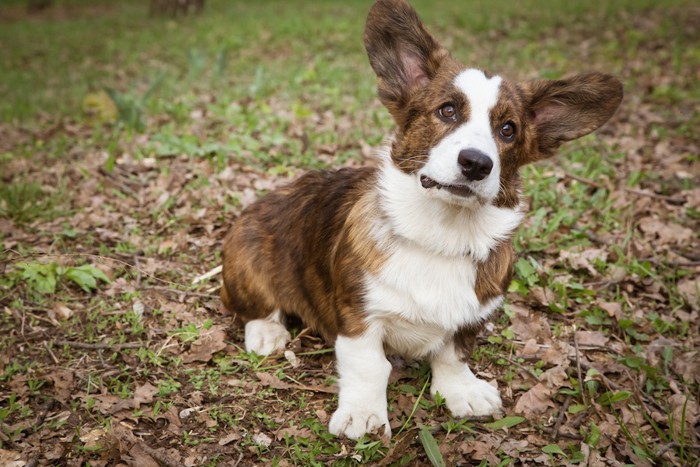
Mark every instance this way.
x=421 y=298
x=424 y=290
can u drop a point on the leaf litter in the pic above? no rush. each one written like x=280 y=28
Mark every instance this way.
x=596 y=354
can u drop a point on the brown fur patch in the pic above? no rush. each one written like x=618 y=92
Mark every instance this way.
x=303 y=249
x=494 y=275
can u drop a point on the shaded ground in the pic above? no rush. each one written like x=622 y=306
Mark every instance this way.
x=124 y=159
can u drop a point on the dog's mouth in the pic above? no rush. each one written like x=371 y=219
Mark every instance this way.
x=459 y=190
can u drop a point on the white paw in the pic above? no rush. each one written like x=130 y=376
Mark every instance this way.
x=265 y=337
x=475 y=398
x=354 y=422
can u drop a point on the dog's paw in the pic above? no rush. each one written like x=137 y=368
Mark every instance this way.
x=265 y=337
x=354 y=423
x=475 y=398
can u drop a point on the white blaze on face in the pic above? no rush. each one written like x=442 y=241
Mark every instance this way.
x=476 y=133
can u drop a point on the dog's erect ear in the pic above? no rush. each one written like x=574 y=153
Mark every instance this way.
x=567 y=109
x=401 y=51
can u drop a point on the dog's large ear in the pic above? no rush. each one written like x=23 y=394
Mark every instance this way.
x=567 y=109
x=402 y=52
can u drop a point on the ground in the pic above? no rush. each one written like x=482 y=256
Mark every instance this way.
x=129 y=144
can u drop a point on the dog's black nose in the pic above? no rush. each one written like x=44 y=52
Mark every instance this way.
x=475 y=164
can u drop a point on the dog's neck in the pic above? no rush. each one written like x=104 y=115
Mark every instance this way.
x=449 y=230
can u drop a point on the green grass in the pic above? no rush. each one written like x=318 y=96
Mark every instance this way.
x=128 y=144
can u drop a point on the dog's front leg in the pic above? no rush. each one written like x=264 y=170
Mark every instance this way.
x=464 y=393
x=364 y=375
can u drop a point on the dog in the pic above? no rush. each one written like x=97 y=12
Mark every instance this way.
x=413 y=256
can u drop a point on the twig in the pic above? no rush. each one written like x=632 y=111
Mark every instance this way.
x=673 y=444
x=138 y=270
x=583 y=180
x=578 y=369
x=240 y=458
x=48 y=349
x=634 y=191
x=677 y=264
x=560 y=417
x=159 y=456
x=207 y=275
x=668 y=199
x=100 y=346
x=689 y=255
x=184 y=292
x=573 y=436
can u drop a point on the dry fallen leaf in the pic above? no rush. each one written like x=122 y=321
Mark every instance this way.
x=584 y=259
x=141 y=457
x=528 y=325
x=11 y=459
x=536 y=400
x=63 y=383
x=667 y=233
x=231 y=437
x=91 y=438
x=595 y=338
x=108 y=404
x=209 y=342
x=144 y=394
x=690 y=291
x=268 y=379
x=558 y=353
x=683 y=409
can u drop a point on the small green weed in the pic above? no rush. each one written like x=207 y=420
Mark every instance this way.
x=43 y=278
x=24 y=202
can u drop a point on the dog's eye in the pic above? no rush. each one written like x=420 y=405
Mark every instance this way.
x=447 y=112
x=507 y=131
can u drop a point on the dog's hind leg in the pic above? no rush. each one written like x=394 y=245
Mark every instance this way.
x=265 y=336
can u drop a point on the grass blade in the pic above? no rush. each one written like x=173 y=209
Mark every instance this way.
x=431 y=447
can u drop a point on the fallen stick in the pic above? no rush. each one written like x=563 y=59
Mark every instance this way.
x=207 y=275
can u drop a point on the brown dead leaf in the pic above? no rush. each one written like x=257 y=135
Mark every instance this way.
x=481 y=450
x=595 y=338
x=63 y=383
x=542 y=295
x=584 y=259
x=144 y=394
x=556 y=377
x=230 y=438
x=173 y=418
x=690 y=291
x=109 y=404
x=683 y=409
x=141 y=457
x=536 y=400
x=514 y=447
x=91 y=438
x=530 y=349
x=268 y=379
x=667 y=233
x=613 y=309
x=211 y=340
x=293 y=432
x=204 y=417
x=527 y=325
x=558 y=353
x=59 y=311
x=688 y=366
x=11 y=458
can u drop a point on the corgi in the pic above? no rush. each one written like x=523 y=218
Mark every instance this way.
x=411 y=257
